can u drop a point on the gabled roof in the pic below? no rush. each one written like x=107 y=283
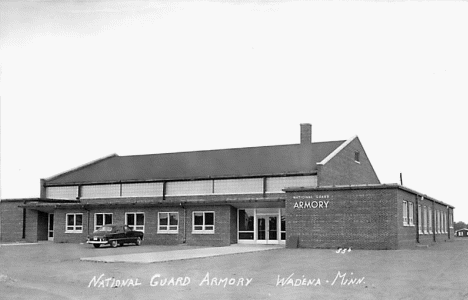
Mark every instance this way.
x=225 y=163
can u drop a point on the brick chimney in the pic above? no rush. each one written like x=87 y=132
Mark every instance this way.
x=306 y=133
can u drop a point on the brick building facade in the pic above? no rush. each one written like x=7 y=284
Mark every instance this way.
x=318 y=195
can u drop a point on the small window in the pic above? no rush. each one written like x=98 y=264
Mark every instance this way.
x=135 y=221
x=410 y=213
x=420 y=221
x=405 y=213
x=74 y=223
x=102 y=219
x=356 y=156
x=203 y=222
x=429 y=225
x=168 y=222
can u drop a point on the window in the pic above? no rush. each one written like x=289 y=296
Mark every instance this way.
x=420 y=219
x=100 y=191
x=277 y=184
x=74 y=223
x=203 y=222
x=425 y=219
x=438 y=221
x=356 y=156
x=102 y=219
x=62 y=192
x=429 y=225
x=410 y=213
x=445 y=222
x=246 y=224
x=136 y=221
x=168 y=222
x=405 y=213
x=238 y=186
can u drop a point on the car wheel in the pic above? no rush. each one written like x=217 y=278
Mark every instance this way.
x=96 y=245
x=114 y=244
x=138 y=241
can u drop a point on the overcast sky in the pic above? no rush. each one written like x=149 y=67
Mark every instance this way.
x=84 y=79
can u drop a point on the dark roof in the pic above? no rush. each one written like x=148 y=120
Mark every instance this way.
x=239 y=162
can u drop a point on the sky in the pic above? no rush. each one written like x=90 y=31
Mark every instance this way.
x=80 y=80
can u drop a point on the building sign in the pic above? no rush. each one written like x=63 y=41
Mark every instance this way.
x=312 y=203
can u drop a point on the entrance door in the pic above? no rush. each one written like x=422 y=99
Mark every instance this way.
x=267 y=229
x=50 y=231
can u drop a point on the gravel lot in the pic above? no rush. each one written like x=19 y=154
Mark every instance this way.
x=54 y=271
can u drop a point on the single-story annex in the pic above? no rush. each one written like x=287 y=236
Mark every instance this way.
x=310 y=194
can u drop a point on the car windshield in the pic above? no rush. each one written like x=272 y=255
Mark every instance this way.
x=104 y=229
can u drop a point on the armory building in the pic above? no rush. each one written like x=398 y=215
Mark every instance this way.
x=311 y=194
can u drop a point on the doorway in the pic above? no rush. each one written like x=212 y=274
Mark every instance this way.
x=50 y=228
x=267 y=229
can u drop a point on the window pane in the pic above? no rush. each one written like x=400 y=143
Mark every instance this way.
x=140 y=219
x=79 y=219
x=99 y=220
x=108 y=219
x=283 y=223
x=198 y=218
x=70 y=220
x=198 y=227
x=246 y=235
x=174 y=219
x=130 y=219
x=173 y=228
x=162 y=227
x=246 y=219
x=163 y=219
x=209 y=227
x=209 y=218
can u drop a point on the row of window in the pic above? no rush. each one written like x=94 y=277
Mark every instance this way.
x=182 y=188
x=425 y=215
x=168 y=222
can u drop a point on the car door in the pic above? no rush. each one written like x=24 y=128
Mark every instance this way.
x=119 y=234
x=129 y=234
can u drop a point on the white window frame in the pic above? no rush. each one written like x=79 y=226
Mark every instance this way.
x=426 y=218
x=438 y=221
x=405 y=213
x=429 y=223
x=410 y=214
x=357 y=157
x=420 y=219
x=203 y=230
x=168 y=226
x=103 y=219
x=75 y=227
x=136 y=227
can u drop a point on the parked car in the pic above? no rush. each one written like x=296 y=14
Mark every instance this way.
x=115 y=235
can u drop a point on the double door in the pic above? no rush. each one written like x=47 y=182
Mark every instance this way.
x=267 y=229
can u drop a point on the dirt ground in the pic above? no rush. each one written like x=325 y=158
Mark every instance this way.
x=54 y=271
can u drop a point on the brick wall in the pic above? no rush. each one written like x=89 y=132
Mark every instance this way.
x=60 y=236
x=343 y=170
x=233 y=228
x=356 y=218
x=407 y=235
x=225 y=225
x=11 y=218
